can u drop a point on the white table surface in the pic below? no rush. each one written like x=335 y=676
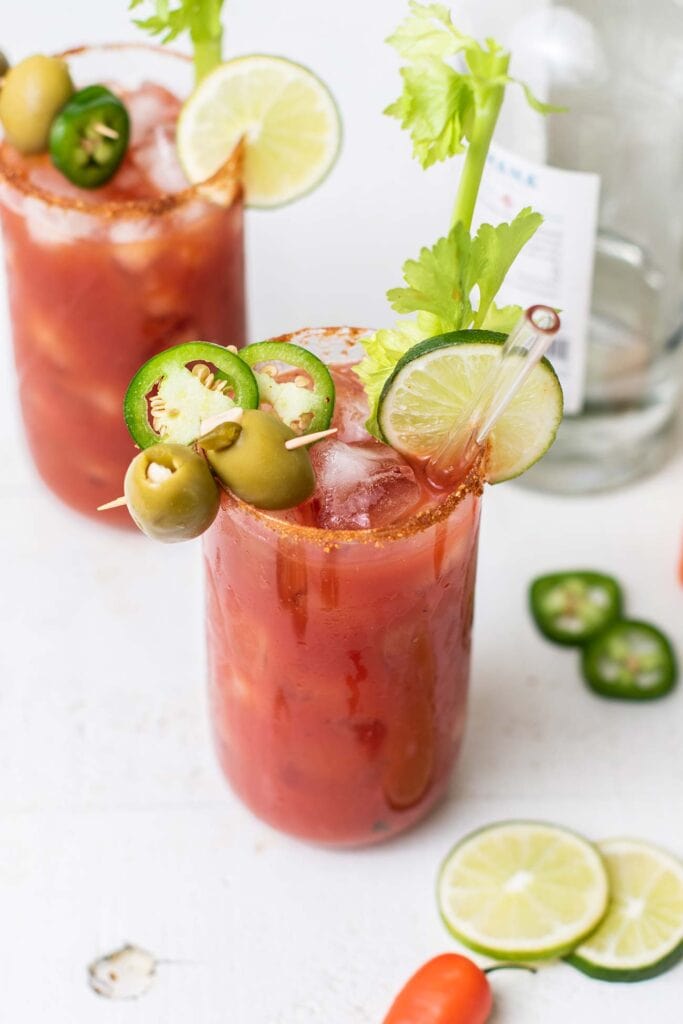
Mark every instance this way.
x=115 y=824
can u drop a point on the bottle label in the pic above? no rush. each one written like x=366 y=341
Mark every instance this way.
x=556 y=267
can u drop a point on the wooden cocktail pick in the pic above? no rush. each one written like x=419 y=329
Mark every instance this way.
x=116 y=503
x=294 y=442
x=300 y=442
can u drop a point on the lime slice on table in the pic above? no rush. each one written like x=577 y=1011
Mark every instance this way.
x=437 y=381
x=642 y=933
x=521 y=890
x=286 y=116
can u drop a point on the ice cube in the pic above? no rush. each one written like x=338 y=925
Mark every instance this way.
x=157 y=159
x=351 y=405
x=149 y=106
x=137 y=257
x=362 y=485
x=52 y=225
x=45 y=176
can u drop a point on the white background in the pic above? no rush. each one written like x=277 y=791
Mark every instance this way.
x=114 y=823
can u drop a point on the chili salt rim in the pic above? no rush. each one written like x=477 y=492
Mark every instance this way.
x=473 y=483
x=227 y=180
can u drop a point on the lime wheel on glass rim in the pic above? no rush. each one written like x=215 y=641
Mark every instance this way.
x=436 y=383
x=284 y=113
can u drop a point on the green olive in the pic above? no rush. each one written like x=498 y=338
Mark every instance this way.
x=257 y=467
x=171 y=493
x=4 y=65
x=33 y=93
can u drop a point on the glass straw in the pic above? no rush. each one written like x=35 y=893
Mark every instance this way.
x=528 y=341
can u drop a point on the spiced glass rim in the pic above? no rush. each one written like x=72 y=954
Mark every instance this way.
x=471 y=484
x=224 y=186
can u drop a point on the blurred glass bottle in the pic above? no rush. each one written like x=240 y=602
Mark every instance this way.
x=612 y=242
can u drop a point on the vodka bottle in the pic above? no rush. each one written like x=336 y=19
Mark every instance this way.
x=608 y=176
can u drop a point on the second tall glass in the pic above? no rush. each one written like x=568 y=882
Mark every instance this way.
x=98 y=285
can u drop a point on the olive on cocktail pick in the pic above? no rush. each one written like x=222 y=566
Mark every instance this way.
x=33 y=93
x=251 y=459
x=170 y=492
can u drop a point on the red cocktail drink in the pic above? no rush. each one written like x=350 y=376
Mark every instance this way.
x=339 y=657
x=100 y=281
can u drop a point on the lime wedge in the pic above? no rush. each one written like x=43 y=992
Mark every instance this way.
x=521 y=890
x=286 y=116
x=437 y=381
x=642 y=933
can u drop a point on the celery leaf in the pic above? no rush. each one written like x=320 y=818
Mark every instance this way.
x=501 y=318
x=428 y=31
x=494 y=250
x=383 y=349
x=199 y=17
x=436 y=106
x=439 y=281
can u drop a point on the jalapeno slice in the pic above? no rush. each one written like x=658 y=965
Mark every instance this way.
x=175 y=391
x=294 y=383
x=89 y=136
x=630 y=660
x=572 y=607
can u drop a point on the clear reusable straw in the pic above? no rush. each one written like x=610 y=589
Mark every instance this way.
x=529 y=339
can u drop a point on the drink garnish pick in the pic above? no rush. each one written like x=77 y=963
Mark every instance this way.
x=300 y=442
x=116 y=503
x=233 y=417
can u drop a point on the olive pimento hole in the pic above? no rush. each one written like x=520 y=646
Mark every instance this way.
x=157 y=474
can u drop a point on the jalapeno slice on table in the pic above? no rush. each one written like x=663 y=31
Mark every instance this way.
x=630 y=660
x=89 y=136
x=174 y=392
x=294 y=382
x=572 y=607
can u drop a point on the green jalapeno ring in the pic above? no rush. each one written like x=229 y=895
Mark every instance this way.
x=570 y=608
x=301 y=408
x=183 y=366
x=89 y=136
x=630 y=660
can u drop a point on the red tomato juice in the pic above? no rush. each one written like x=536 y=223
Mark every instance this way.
x=339 y=659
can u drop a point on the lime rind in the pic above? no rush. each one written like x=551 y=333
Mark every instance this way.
x=284 y=112
x=604 y=954
x=437 y=381
x=556 y=914
x=288 y=400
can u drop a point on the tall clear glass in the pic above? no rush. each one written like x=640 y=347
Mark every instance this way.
x=97 y=287
x=339 y=660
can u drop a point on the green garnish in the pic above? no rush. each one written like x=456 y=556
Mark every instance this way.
x=571 y=608
x=449 y=111
x=200 y=18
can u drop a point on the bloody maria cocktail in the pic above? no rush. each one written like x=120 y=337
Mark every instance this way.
x=340 y=579
x=339 y=658
x=101 y=280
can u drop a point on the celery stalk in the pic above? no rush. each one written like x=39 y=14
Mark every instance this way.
x=201 y=19
x=485 y=120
